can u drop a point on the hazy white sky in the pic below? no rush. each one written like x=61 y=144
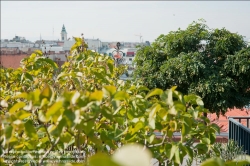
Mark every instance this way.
x=118 y=20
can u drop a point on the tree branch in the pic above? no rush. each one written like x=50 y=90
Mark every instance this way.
x=159 y=144
x=45 y=155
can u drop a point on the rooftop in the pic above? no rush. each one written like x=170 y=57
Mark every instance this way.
x=222 y=121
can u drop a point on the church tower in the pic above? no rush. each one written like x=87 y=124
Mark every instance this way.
x=63 y=34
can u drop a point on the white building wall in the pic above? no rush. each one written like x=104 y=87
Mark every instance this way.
x=14 y=44
x=53 y=48
x=68 y=44
x=3 y=44
x=18 y=44
x=55 y=57
x=94 y=44
x=24 y=49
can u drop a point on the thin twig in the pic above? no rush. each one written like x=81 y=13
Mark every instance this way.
x=45 y=155
x=159 y=144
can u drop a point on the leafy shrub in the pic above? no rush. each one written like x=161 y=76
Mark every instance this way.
x=70 y=113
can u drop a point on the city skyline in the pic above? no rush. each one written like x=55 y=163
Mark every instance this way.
x=118 y=20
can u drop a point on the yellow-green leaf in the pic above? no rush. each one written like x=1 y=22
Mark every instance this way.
x=16 y=107
x=121 y=95
x=213 y=162
x=54 y=108
x=101 y=159
x=154 y=92
x=97 y=95
x=152 y=114
x=46 y=92
x=110 y=89
x=23 y=114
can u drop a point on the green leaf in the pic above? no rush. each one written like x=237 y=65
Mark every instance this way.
x=170 y=133
x=75 y=97
x=46 y=92
x=96 y=96
x=39 y=52
x=241 y=160
x=121 y=95
x=78 y=40
x=172 y=110
x=30 y=130
x=173 y=125
x=110 y=64
x=16 y=107
x=214 y=162
x=172 y=151
x=87 y=126
x=205 y=141
x=22 y=95
x=19 y=146
x=23 y=114
x=177 y=158
x=215 y=127
x=30 y=77
x=42 y=117
x=212 y=137
x=154 y=92
x=54 y=108
x=49 y=61
x=151 y=138
x=8 y=132
x=74 y=47
x=124 y=132
x=190 y=152
x=104 y=135
x=193 y=99
x=186 y=126
x=139 y=125
x=152 y=114
x=65 y=137
x=35 y=97
x=108 y=89
x=169 y=99
x=70 y=117
x=58 y=130
x=142 y=88
x=199 y=101
x=202 y=148
x=29 y=145
x=100 y=159
x=179 y=96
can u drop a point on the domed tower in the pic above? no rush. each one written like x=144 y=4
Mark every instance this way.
x=63 y=34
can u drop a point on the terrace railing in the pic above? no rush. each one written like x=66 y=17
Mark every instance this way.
x=239 y=131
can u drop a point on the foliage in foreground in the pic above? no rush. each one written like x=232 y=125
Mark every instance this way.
x=84 y=107
x=228 y=152
x=211 y=63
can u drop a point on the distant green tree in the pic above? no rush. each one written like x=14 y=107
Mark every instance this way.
x=211 y=63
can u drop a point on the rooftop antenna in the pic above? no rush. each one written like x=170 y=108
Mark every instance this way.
x=140 y=37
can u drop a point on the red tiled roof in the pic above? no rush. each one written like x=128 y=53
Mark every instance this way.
x=130 y=53
x=222 y=121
